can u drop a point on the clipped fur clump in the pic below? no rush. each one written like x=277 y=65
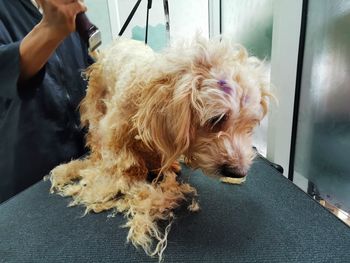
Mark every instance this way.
x=199 y=100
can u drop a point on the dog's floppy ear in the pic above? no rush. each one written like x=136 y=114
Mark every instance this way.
x=266 y=98
x=164 y=118
x=264 y=102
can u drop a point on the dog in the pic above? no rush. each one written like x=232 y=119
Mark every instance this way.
x=199 y=100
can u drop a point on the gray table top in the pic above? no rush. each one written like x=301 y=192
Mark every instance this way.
x=268 y=219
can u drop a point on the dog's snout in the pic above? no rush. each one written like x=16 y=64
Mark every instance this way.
x=229 y=171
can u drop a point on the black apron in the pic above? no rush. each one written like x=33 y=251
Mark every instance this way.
x=39 y=122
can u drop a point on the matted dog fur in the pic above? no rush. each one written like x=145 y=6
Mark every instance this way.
x=198 y=100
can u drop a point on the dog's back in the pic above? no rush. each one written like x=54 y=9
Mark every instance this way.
x=124 y=61
x=115 y=70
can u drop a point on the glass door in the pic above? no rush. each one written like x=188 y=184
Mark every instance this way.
x=322 y=153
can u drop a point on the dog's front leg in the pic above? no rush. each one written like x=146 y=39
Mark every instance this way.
x=67 y=173
x=152 y=203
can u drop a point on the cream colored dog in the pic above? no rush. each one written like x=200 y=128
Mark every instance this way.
x=200 y=101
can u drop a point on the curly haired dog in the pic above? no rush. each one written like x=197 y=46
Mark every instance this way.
x=199 y=101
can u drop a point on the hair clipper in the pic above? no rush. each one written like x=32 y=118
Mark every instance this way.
x=88 y=32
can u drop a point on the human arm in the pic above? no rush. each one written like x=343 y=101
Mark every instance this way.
x=57 y=23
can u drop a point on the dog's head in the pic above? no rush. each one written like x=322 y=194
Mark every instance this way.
x=204 y=105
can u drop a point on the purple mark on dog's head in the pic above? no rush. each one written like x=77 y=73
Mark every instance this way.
x=224 y=86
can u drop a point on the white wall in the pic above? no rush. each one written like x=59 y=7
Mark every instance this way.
x=284 y=58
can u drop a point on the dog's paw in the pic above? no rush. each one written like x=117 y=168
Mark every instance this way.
x=65 y=174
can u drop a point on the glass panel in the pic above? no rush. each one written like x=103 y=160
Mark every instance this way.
x=250 y=23
x=99 y=15
x=186 y=18
x=136 y=29
x=323 y=135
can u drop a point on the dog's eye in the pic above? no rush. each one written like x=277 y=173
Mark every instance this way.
x=217 y=122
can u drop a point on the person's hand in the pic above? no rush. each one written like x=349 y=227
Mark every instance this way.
x=59 y=15
x=39 y=44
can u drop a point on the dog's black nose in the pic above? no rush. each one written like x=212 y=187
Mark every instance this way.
x=229 y=171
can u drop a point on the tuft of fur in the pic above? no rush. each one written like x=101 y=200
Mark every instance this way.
x=199 y=100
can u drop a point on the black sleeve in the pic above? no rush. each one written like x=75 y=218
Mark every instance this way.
x=10 y=69
x=10 y=64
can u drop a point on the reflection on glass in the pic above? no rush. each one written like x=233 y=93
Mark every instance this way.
x=186 y=18
x=136 y=29
x=323 y=136
x=249 y=23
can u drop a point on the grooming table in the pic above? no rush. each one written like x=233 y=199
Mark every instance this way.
x=267 y=219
